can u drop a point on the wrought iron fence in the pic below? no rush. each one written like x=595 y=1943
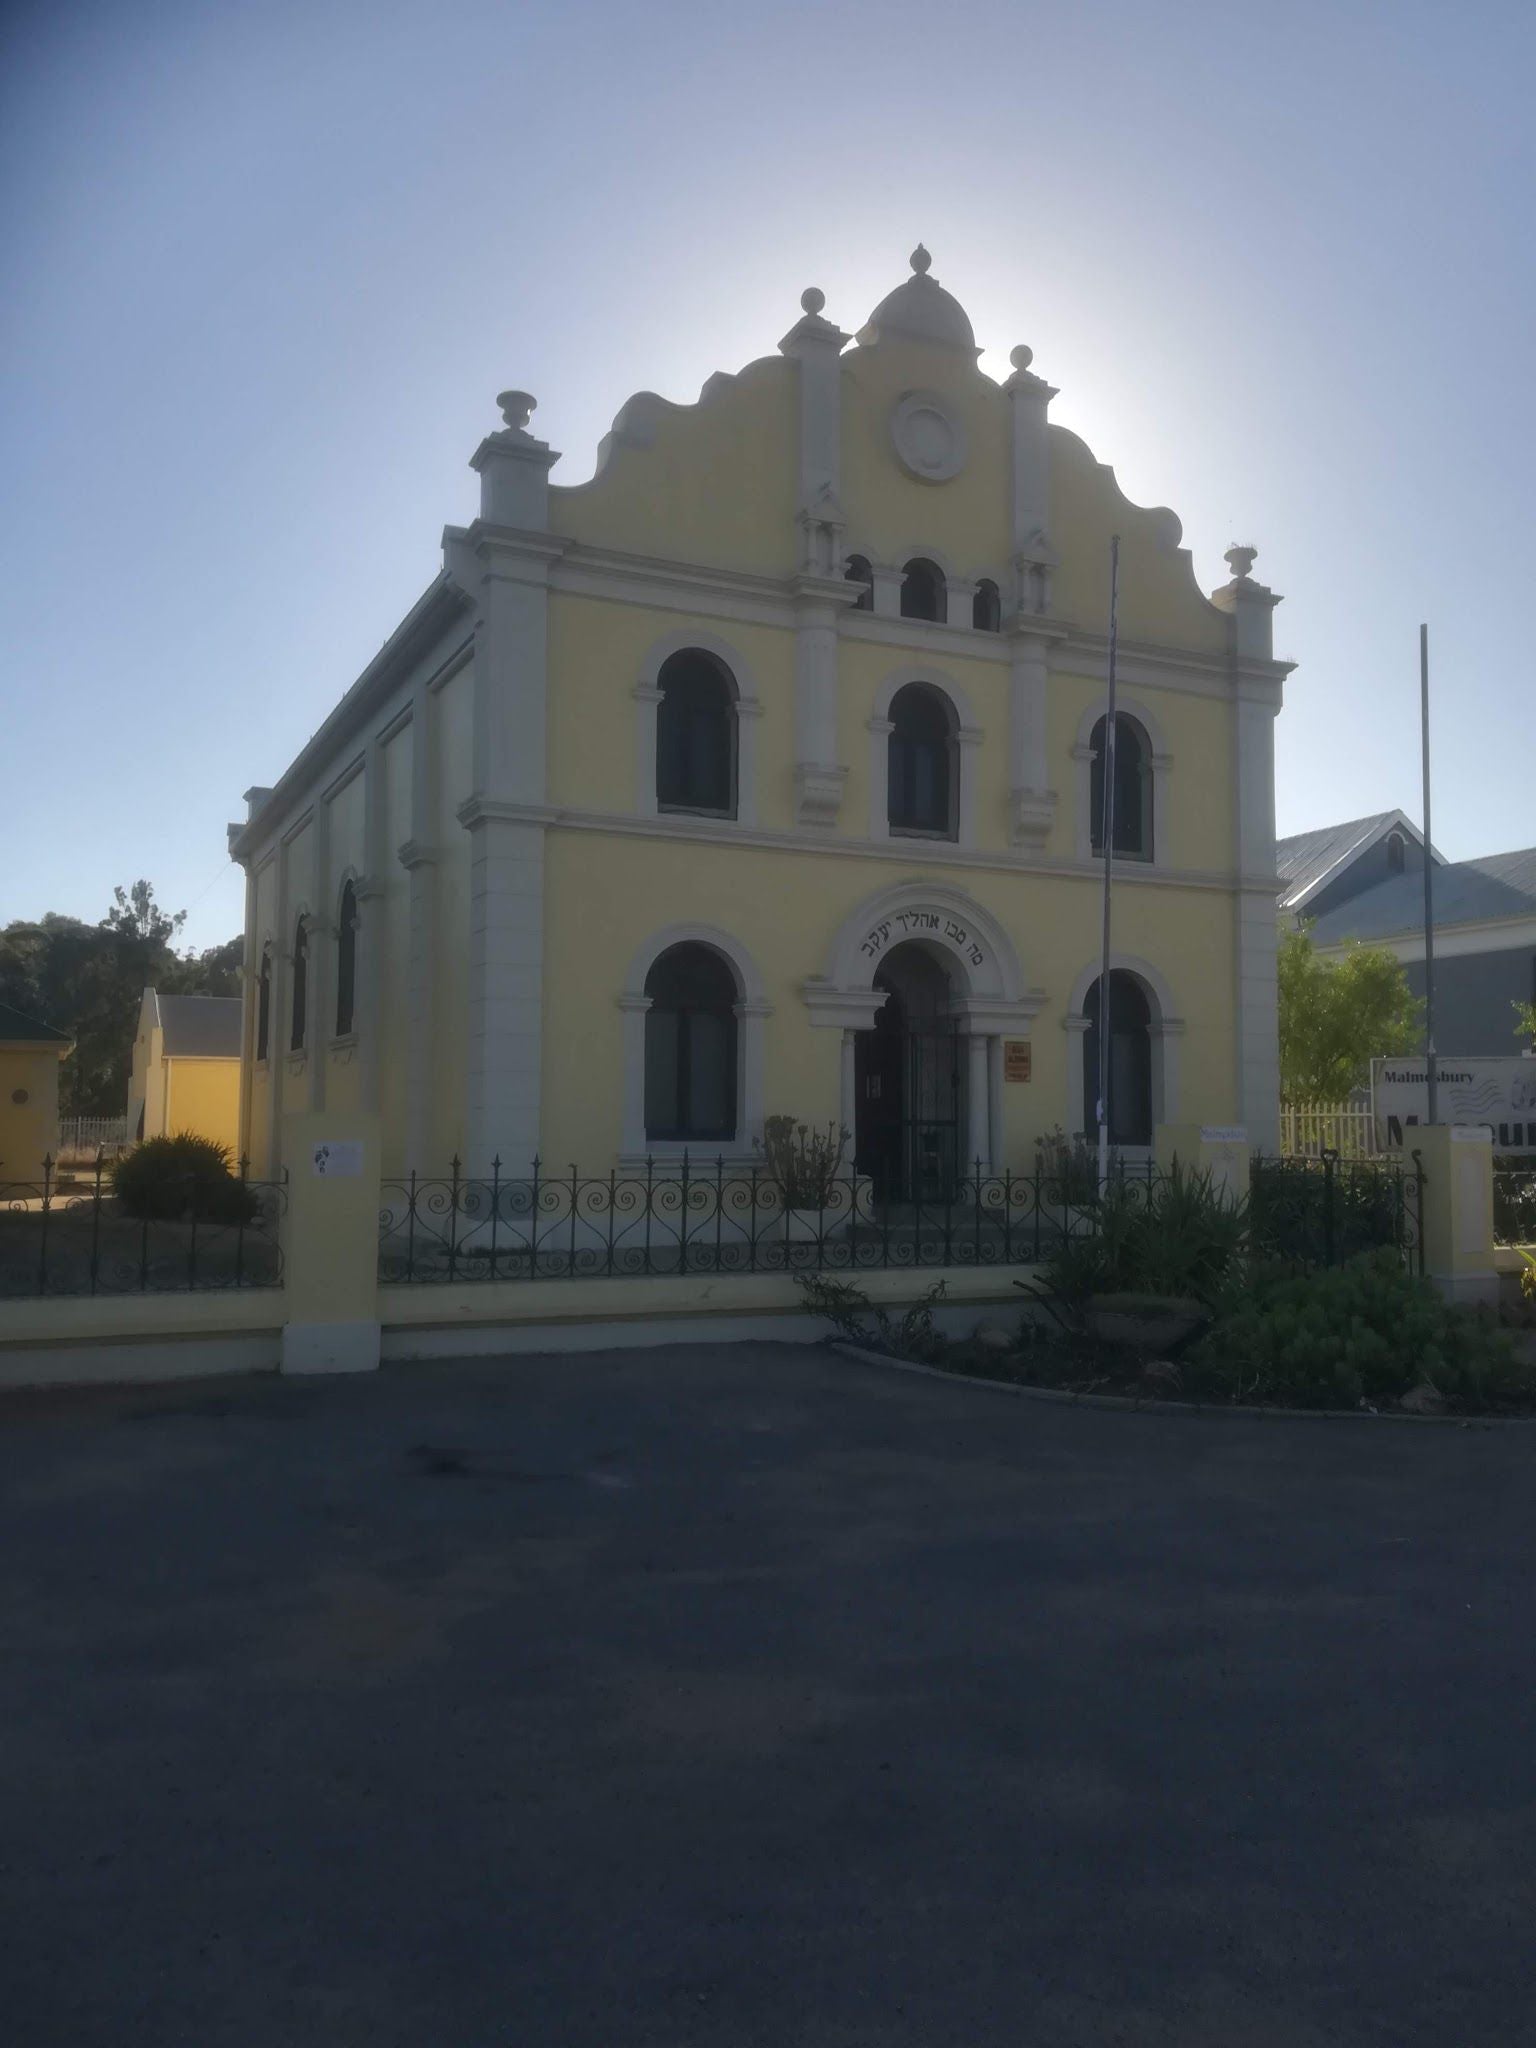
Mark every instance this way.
x=1320 y=1212
x=65 y=1233
x=685 y=1217
x=1514 y=1201
x=681 y=1217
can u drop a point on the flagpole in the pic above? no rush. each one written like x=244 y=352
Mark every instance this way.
x=1430 y=1074
x=1109 y=855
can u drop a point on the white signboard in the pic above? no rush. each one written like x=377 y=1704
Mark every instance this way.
x=1497 y=1093
x=338 y=1159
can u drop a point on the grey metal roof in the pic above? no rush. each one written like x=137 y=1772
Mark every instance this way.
x=1500 y=886
x=200 y=1027
x=1306 y=859
x=16 y=1028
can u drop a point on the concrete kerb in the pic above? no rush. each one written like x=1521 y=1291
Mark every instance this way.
x=1153 y=1405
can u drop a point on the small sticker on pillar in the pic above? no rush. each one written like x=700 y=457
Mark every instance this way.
x=337 y=1159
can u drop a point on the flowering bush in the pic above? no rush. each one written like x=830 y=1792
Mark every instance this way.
x=803 y=1161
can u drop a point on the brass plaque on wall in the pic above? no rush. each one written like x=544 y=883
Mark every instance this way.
x=1015 y=1059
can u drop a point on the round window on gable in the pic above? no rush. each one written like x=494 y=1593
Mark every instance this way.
x=19 y=1096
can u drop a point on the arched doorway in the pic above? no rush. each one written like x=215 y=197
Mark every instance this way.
x=909 y=1111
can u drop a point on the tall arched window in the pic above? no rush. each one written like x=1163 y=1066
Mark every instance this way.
x=696 y=736
x=346 y=962
x=1130 y=1061
x=1397 y=853
x=300 y=985
x=1133 y=789
x=264 y=1004
x=922 y=590
x=690 y=1046
x=987 y=607
x=921 y=791
x=859 y=571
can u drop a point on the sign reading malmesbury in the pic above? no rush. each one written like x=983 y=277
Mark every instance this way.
x=1496 y=1092
x=922 y=924
x=337 y=1159
x=1016 y=1059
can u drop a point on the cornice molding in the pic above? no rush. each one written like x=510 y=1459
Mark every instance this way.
x=935 y=852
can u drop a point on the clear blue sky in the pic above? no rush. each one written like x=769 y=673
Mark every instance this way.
x=263 y=269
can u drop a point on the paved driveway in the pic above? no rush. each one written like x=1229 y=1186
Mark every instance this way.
x=744 y=1695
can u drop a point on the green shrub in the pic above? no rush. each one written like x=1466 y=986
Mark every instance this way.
x=1181 y=1235
x=171 y=1179
x=1364 y=1331
x=846 y=1307
x=803 y=1161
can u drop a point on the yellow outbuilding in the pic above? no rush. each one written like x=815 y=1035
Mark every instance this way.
x=186 y=1068
x=763 y=774
x=30 y=1056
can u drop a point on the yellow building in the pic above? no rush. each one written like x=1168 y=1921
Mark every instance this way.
x=30 y=1055
x=186 y=1068
x=761 y=774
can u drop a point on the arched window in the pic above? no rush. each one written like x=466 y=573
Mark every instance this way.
x=859 y=571
x=264 y=1004
x=923 y=762
x=987 y=607
x=922 y=590
x=696 y=736
x=346 y=962
x=300 y=985
x=1397 y=853
x=1133 y=789
x=1130 y=1061
x=690 y=1046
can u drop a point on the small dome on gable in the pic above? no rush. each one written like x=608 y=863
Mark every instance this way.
x=921 y=310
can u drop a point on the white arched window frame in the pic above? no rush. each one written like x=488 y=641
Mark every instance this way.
x=303 y=921
x=1167 y=1031
x=968 y=737
x=888 y=574
x=1161 y=762
x=752 y=1008
x=747 y=708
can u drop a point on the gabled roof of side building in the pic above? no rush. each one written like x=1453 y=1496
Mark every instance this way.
x=16 y=1028
x=199 y=1027
x=1306 y=860
x=1498 y=888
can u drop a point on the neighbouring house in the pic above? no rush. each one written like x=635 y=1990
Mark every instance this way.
x=763 y=772
x=1365 y=881
x=31 y=1053
x=186 y=1068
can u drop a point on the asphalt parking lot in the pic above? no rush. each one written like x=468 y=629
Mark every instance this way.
x=750 y=1695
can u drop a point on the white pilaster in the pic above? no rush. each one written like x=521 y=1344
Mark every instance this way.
x=1250 y=615
x=1031 y=800
x=848 y=1087
x=995 y=1098
x=419 y=857
x=319 y=1020
x=504 y=813
x=815 y=345
x=978 y=1119
x=959 y=602
x=249 y=970
x=886 y=580
x=372 y=928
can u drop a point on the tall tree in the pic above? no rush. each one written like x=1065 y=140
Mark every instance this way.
x=88 y=979
x=1525 y=1021
x=1336 y=1016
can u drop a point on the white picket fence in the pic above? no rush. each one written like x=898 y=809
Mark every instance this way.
x=92 y=1134
x=1308 y=1129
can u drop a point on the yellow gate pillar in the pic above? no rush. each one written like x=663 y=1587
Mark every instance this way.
x=331 y=1242
x=1456 y=1227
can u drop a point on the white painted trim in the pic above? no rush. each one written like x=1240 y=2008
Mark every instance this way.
x=1167 y=1030
x=943 y=852
x=1390 y=821
x=752 y=1009
x=966 y=735
x=1161 y=763
x=747 y=706
x=1452 y=942
x=992 y=988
